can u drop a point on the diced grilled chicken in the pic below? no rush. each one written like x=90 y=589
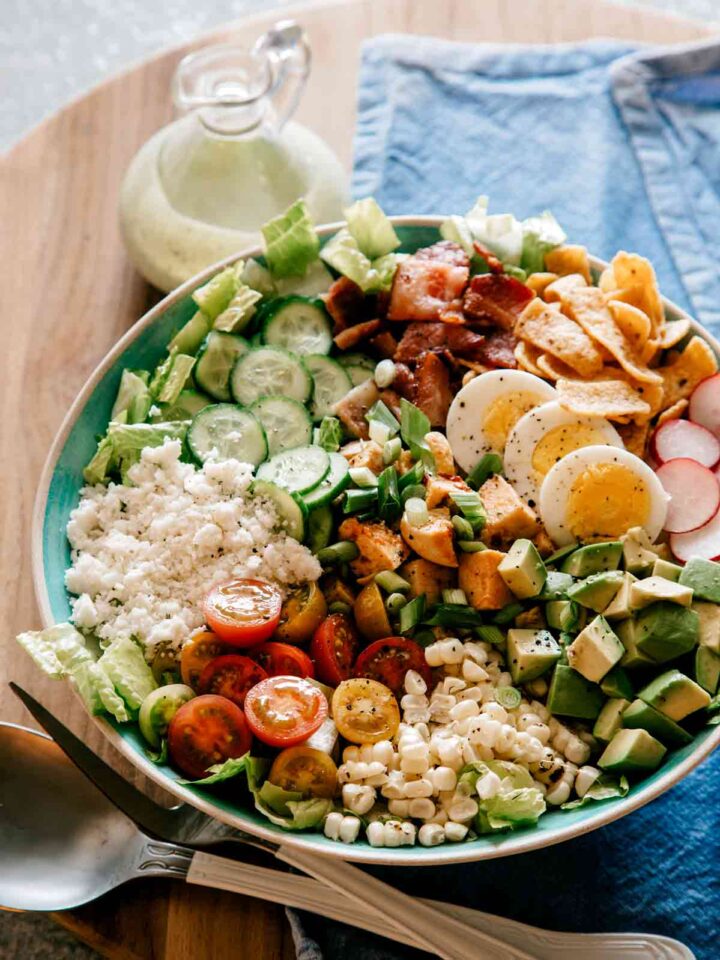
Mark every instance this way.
x=427 y=577
x=354 y=405
x=438 y=490
x=478 y=576
x=380 y=548
x=434 y=539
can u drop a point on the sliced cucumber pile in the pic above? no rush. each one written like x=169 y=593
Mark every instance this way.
x=358 y=367
x=298 y=324
x=225 y=431
x=215 y=361
x=338 y=477
x=185 y=407
x=286 y=422
x=268 y=371
x=331 y=381
x=291 y=511
x=319 y=528
x=299 y=470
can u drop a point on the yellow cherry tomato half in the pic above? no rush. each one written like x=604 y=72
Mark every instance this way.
x=301 y=614
x=370 y=613
x=365 y=711
x=305 y=770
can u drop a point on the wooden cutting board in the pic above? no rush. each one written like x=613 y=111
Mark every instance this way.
x=69 y=292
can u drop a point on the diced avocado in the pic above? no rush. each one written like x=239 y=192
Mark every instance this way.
x=628 y=632
x=556 y=585
x=632 y=751
x=675 y=695
x=609 y=719
x=704 y=578
x=663 y=568
x=530 y=653
x=619 y=606
x=571 y=695
x=522 y=569
x=639 y=554
x=709 y=620
x=665 y=631
x=593 y=558
x=707 y=669
x=617 y=684
x=597 y=590
x=565 y=615
x=640 y=715
x=595 y=650
x=651 y=589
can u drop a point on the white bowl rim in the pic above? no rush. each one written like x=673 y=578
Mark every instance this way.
x=507 y=845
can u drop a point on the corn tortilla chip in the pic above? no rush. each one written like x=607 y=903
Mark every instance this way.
x=539 y=281
x=637 y=284
x=544 y=326
x=555 y=291
x=695 y=363
x=673 y=333
x=674 y=412
x=601 y=398
x=526 y=356
x=607 y=280
x=554 y=369
x=633 y=322
x=634 y=436
x=570 y=258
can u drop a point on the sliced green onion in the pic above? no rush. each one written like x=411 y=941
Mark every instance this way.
x=341 y=552
x=490 y=634
x=485 y=467
x=454 y=615
x=338 y=606
x=416 y=512
x=395 y=602
x=424 y=638
x=385 y=373
x=508 y=697
x=413 y=476
x=389 y=503
x=356 y=500
x=411 y=614
x=391 y=450
x=379 y=432
x=508 y=612
x=463 y=528
x=470 y=505
x=415 y=490
x=414 y=427
x=471 y=546
x=329 y=434
x=363 y=477
x=454 y=596
x=391 y=582
x=381 y=413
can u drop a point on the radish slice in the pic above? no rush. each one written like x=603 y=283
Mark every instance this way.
x=704 y=542
x=680 y=438
x=694 y=494
x=705 y=404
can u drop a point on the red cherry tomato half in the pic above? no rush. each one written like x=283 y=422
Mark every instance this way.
x=333 y=649
x=388 y=660
x=283 y=711
x=231 y=676
x=206 y=731
x=281 y=659
x=243 y=612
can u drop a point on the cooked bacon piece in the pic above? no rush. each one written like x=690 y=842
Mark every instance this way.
x=453 y=313
x=404 y=382
x=498 y=350
x=442 y=338
x=433 y=395
x=354 y=405
x=352 y=336
x=348 y=305
x=385 y=344
x=495 y=299
x=429 y=280
x=494 y=265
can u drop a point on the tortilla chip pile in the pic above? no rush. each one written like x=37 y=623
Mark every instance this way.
x=608 y=348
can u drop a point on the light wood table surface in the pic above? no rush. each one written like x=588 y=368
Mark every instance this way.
x=69 y=292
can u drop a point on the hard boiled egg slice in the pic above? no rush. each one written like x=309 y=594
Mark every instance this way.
x=545 y=435
x=485 y=410
x=599 y=493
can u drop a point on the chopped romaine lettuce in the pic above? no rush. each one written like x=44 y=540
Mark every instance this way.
x=133 y=398
x=518 y=802
x=98 y=692
x=258 y=277
x=223 y=771
x=57 y=650
x=125 y=443
x=316 y=280
x=371 y=229
x=291 y=243
x=303 y=814
x=457 y=230
x=605 y=787
x=216 y=294
x=277 y=799
x=330 y=434
x=101 y=464
x=126 y=668
x=188 y=338
x=540 y=235
x=238 y=313
x=344 y=255
x=170 y=378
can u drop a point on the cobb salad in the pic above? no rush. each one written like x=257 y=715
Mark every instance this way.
x=409 y=547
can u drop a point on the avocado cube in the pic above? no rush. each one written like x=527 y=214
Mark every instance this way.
x=640 y=715
x=707 y=669
x=653 y=589
x=530 y=653
x=597 y=590
x=663 y=568
x=571 y=695
x=617 y=684
x=595 y=650
x=665 y=631
x=593 y=558
x=565 y=615
x=609 y=719
x=709 y=623
x=639 y=554
x=522 y=569
x=556 y=585
x=628 y=632
x=703 y=576
x=619 y=606
x=632 y=751
x=675 y=695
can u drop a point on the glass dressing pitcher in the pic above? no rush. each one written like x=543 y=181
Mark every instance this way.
x=201 y=188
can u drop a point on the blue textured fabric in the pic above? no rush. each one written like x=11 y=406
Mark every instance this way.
x=624 y=148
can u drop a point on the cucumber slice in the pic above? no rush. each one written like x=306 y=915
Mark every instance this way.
x=215 y=361
x=358 y=374
x=331 y=384
x=319 y=528
x=234 y=433
x=270 y=371
x=188 y=403
x=286 y=422
x=334 y=483
x=356 y=360
x=291 y=511
x=298 y=324
x=299 y=470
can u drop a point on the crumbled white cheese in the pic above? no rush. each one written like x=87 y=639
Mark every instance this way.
x=145 y=555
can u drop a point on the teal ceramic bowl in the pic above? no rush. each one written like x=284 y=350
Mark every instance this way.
x=142 y=347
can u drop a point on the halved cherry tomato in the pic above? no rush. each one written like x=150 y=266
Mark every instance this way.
x=365 y=711
x=206 y=731
x=336 y=590
x=302 y=613
x=197 y=653
x=231 y=676
x=388 y=660
x=283 y=711
x=280 y=659
x=305 y=770
x=243 y=612
x=333 y=649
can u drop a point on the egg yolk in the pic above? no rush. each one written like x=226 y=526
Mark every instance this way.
x=503 y=413
x=560 y=441
x=605 y=501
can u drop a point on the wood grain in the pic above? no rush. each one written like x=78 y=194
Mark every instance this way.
x=68 y=292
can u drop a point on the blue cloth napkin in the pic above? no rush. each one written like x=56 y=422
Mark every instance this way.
x=624 y=147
